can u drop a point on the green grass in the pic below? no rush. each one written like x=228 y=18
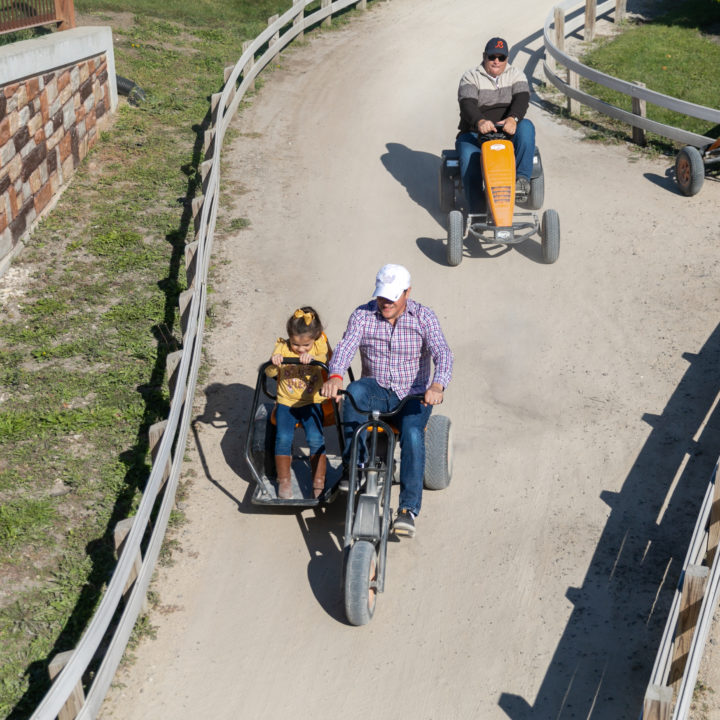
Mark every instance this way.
x=83 y=347
x=676 y=54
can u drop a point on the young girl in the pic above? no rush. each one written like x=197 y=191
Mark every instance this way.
x=298 y=397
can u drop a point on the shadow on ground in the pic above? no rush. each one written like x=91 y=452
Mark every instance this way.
x=603 y=661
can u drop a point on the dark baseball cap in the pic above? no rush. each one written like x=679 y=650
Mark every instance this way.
x=497 y=46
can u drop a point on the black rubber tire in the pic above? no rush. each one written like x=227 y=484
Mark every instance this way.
x=360 y=569
x=135 y=94
x=536 y=198
x=446 y=190
x=550 y=236
x=689 y=170
x=455 y=238
x=438 y=453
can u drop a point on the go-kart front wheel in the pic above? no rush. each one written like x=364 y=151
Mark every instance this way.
x=550 y=236
x=360 y=583
x=689 y=170
x=454 y=238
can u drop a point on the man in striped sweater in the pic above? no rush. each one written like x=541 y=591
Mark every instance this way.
x=493 y=93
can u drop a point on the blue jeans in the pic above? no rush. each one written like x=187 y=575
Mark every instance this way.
x=468 y=146
x=311 y=418
x=411 y=423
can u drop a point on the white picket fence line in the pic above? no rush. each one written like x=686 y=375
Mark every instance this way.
x=639 y=93
x=68 y=697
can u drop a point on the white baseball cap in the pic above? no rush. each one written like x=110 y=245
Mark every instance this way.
x=391 y=281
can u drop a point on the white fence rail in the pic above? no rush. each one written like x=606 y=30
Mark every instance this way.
x=558 y=26
x=70 y=696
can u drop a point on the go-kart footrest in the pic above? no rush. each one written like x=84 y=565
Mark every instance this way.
x=366 y=525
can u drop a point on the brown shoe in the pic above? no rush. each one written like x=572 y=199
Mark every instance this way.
x=318 y=465
x=284 y=478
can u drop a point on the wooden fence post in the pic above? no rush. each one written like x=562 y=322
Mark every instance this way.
x=590 y=17
x=191 y=263
x=657 y=703
x=205 y=168
x=248 y=65
x=76 y=700
x=172 y=363
x=299 y=19
x=573 y=105
x=713 y=524
x=184 y=301
x=215 y=106
x=65 y=13
x=693 y=589
x=156 y=431
x=328 y=20
x=119 y=536
x=274 y=39
x=638 y=108
x=559 y=25
x=196 y=207
x=620 y=8
x=559 y=29
x=209 y=142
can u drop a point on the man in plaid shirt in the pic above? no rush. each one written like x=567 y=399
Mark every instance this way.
x=397 y=337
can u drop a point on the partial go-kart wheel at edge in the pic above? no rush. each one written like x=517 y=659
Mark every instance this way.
x=455 y=238
x=550 y=236
x=446 y=188
x=536 y=198
x=438 y=453
x=689 y=170
x=360 y=576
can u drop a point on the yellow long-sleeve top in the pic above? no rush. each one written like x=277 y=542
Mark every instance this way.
x=299 y=385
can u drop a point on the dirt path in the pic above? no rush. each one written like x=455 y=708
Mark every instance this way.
x=538 y=584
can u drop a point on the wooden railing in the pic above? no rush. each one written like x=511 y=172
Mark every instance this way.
x=21 y=14
x=562 y=21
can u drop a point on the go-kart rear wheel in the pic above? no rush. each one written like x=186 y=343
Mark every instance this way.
x=438 y=453
x=455 y=238
x=446 y=190
x=536 y=198
x=550 y=236
x=689 y=170
x=360 y=579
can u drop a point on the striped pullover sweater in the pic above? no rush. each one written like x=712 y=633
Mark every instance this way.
x=483 y=97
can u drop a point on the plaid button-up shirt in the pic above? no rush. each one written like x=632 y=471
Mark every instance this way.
x=397 y=356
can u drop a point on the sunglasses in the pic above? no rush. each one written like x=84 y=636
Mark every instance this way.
x=501 y=58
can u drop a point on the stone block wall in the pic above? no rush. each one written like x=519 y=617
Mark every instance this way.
x=48 y=122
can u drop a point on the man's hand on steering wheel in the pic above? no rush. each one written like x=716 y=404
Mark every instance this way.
x=434 y=394
x=509 y=126
x=486 y=126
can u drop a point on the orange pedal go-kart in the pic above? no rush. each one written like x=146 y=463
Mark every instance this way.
x=500 y=223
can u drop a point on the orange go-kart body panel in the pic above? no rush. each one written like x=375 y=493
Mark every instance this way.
x=498 y=166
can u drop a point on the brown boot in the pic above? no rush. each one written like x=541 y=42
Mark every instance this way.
x=318 y=465
x=284 y=481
